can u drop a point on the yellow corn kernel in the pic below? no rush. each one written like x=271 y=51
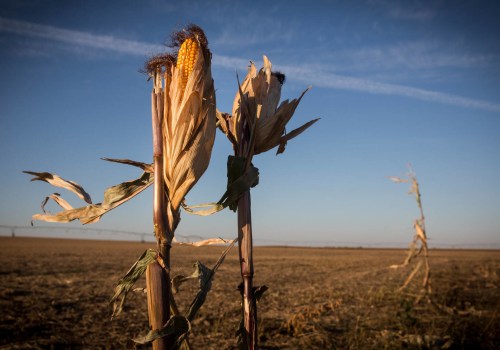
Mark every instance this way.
x=186 y=59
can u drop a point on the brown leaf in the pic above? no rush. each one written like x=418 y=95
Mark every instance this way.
x=294 y=133
x=397 y=179
x=56 y=197
x=209 y=241
x=113 y=197
x=420 y=232
x=146 y=167
x=56 y=180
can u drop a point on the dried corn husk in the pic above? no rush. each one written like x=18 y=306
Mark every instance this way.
x=187 y=109
x=257 y=102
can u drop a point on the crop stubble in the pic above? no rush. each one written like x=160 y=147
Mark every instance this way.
x=54 y=294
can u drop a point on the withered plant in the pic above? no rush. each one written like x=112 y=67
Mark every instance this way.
x=256 y=125
x=418 y=247
x=183 y=125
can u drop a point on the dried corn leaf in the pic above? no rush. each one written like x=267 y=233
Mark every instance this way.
x=258 y=292
x=225 y=125
x=411 y=275
x=126 y=283
x=420 y=232
x=271 y=129
x=412 y=252
x=205 y=242
x=211 y=208
x=239 y=180
x=397 y=179
x=149 y=168
x=113 y=197
x=56 y=197
x=56 y=180
x=294 y=133
x=205 y=277
x=175 y=327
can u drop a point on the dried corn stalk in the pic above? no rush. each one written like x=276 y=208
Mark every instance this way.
x=184 y=122
x=183 y=118
x=420 y=237
x=257 y=124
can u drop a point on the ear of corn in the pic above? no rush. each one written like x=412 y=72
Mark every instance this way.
x=257 y=99
x=186 y=59
x=187 y=110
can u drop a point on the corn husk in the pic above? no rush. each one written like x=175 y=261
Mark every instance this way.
x=188 y=123
x=257 y=101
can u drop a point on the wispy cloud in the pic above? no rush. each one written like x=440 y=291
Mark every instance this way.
x=302 y=73
x=330 y=80
x=409 y=10
x=78 y=38
x=411 y=55
x=423 y=14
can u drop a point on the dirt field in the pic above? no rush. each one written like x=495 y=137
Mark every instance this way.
x=54 y=294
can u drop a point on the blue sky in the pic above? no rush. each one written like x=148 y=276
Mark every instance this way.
x=395 y=82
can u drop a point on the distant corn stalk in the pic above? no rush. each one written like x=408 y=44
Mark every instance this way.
x=420 y=237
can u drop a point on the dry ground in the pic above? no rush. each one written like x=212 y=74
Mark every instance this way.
x=54 y=295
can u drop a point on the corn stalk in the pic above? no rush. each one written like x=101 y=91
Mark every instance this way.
x=420 y=236
x=183 y=126
x=257 y=124
x=245 y=249
x=158 y=278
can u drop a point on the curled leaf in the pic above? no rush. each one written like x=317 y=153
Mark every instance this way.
x=56 y=180
x=56 y=197
x=205 y=277
x=209 y=241
x=126 y=283
x=397 y=179
x=211 y=208
x=144 y=166
x=239 y=180
x=113 y=197
x=420 y=232
x=176 y=326
x=294 y=133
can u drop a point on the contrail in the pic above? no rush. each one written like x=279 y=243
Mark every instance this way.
x=302 y=74
x=78 y=38
x=334 y=81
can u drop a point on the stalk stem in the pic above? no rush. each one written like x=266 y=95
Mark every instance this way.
x=157 y=279
x=245 y=247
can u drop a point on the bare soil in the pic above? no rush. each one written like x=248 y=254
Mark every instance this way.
x=54 y=294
